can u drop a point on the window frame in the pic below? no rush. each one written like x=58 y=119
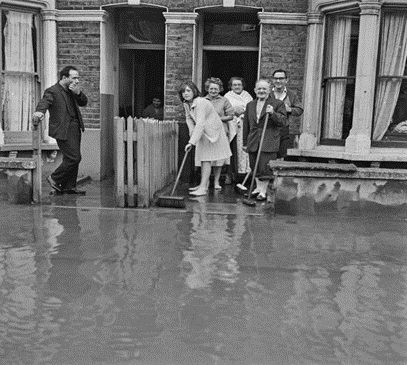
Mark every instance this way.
x=38 y=52
x=392 y=8
x=349 y=11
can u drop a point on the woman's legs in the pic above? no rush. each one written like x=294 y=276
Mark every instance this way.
x=216 y=175
x=205 y=175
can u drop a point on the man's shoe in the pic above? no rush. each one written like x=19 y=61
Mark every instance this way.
x=261 y=197
x=74 y=191
x=53 y=184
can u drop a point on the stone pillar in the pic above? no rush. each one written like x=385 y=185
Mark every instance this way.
x=312 y=84
x=50 y=73
x=360 y=135
x=179 y=60
x=180 y=56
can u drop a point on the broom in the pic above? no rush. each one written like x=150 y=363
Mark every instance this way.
x=240 y=188
x=248 y=201
x=174 y=201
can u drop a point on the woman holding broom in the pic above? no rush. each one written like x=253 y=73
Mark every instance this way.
x=206 y=132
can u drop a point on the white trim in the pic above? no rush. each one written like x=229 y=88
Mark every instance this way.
x=133 y=2
x=160 y=47
x=82 y=15
x=181 y=18
x=338 y=152
x=229 y=48
x=228 y=3
x=38 y=4
x=282 y=18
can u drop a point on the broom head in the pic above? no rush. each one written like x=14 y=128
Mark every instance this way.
x=171 y=201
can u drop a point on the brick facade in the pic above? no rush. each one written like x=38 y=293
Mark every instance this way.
x=285 y=48
x=179 y=66
x=79 y=45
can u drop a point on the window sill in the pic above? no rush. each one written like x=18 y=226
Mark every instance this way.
x=337 y=152
x=27 y=147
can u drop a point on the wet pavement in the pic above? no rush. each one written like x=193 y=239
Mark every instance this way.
x=83 y=282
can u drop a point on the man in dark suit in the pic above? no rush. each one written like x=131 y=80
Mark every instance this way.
x=66 y=126
x=253 y=124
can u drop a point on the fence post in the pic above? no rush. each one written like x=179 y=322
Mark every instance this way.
x=37 y=156
x=119 y=173
x=130 y=162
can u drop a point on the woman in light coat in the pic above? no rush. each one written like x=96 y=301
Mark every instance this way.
x=206 y=132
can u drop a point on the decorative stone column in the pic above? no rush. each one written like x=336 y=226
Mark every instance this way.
x=360 y=135
x=49 y=36
x=179 y=58
x=312 y=84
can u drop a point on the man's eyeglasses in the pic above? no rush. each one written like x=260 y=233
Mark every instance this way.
x=279 y=78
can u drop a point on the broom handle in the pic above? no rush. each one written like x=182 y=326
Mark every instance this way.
x=258 y=154
x=246 y=178
x=179 y=172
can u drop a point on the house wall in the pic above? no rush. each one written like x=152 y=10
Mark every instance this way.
x=79 y=43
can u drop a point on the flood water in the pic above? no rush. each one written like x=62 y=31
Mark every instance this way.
x=120 y=286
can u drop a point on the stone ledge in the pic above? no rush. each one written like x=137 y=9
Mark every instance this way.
x=312 y=166
x=17 y=163
x=326 y=170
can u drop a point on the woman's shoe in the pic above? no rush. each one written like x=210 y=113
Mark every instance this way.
x=199 y=192
x=194 y=188
x=261 y=197
x=218 y=187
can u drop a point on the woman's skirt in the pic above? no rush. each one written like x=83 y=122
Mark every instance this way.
x=218 y=152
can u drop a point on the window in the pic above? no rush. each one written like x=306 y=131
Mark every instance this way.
x=142 y=26
x=237 y=29
x=390 y=116
x=341 y=46
x=20 y=83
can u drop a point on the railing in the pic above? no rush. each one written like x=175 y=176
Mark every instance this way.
x=146 y=159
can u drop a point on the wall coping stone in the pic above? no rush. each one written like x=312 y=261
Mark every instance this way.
x=181 y=18
x=283 y=18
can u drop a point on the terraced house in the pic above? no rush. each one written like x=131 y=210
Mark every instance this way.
x=346 y=58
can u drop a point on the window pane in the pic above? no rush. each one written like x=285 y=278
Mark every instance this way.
x=19 y=82
x=341 y=46
x=390 y=117
x=237 y=29
x=143 y=26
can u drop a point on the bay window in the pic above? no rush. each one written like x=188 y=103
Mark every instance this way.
x=20 y=82
x=341 y=44
x=390 y=116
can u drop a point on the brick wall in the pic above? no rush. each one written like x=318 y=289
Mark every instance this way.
x=78 y=4
x=285 y=6
x=79 y=45
x=284 y=47
x=178 y=67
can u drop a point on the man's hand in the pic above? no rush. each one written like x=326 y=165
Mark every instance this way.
x=188 y=147
x=288 y=108
x=74 y=88
x=244 y=148
x=37 y=116
x=269 y=109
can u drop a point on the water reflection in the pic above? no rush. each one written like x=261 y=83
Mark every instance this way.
x=80 y=286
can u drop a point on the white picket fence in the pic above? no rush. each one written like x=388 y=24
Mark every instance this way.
x=146 y=159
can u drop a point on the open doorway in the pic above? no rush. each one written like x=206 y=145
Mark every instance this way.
x=141 y=78
x=226 y=64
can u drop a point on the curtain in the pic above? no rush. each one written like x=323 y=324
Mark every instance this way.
x=338 y=49
x=392 y=61
x=19 y=88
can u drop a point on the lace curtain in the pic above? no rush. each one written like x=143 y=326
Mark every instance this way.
x=338 y=49
x=19 y=87
x=393 y=56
